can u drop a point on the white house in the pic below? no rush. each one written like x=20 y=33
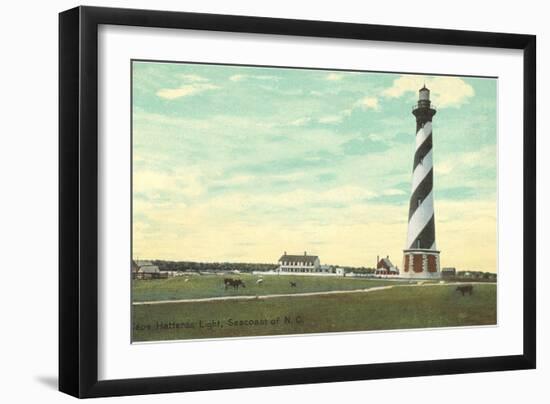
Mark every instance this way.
x=299 y=263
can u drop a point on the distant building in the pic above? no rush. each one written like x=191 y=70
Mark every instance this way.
x=149 y=269
x=385 y=267
x=340 y=271
x=448 y=272
x=145 y=270
x=135 y=267
x=299 y=263
x=326 y=269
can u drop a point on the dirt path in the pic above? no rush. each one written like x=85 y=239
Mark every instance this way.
x=332 y=292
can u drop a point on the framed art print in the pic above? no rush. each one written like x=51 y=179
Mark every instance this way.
x=310 y=201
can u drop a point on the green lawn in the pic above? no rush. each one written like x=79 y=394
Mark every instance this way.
x=397 y=308
x=212 y=286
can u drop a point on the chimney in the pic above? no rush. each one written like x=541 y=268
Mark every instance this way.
x=284 y=253
x=377 y=259
x=387 y=257
x=305 y=253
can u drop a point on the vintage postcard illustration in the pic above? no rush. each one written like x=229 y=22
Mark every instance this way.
x=283 y=201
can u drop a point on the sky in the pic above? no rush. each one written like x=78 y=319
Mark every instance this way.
x=238 y=164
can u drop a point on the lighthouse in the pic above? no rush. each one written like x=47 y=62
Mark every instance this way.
x=421 y=256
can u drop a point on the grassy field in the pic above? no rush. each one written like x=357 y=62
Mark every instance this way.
x=212 y=286
x=402 y=307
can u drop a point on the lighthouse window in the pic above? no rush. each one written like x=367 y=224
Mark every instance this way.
x=418 y=243
x=419 y=201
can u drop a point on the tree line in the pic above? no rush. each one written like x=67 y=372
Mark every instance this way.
x=212 y=266
x=233 y=266
x=250 y=267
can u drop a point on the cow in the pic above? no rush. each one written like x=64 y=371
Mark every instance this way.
x=292 y=284
x=259 y=282
x=465 y=289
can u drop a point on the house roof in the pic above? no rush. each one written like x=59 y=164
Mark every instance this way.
x=148 y=268
x=298 y=258
x=386 y=262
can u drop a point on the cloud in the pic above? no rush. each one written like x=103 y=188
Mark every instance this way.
x=331 y=119
x=336 y=118
x=364 y=103
x=241 y=77
x=237 y=77
x=192 y=78
x=185 y=183
x=484 y=158
x=393 y=192
x=361 y=145
x=368 y=103
x=185 y=90
x=334 y=76
x=445 y=91
x=300 y=121
x=242 y=203
x=275 y=90
x=376 y=137
x=291 y=177
x=237 y=180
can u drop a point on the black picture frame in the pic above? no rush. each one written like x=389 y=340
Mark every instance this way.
x=78 y=200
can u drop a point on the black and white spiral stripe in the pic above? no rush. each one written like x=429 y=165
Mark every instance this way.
x=421 y=232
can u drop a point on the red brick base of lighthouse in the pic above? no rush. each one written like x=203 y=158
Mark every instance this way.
x=420 y=263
